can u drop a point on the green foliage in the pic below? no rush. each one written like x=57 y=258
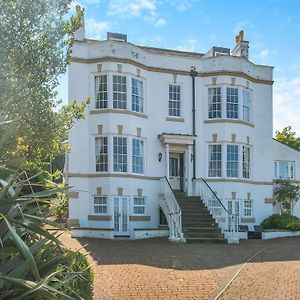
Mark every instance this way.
x=33 y=262
x=83 y=284
x=59 y=207
x=36 y=40
x=288 y=137
x=284 y=222
x=286 y=193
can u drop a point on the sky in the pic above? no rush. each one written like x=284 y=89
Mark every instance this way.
x=272 y=28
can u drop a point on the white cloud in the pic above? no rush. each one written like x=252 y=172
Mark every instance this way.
x=131 y=8
x=286 y=103
x=189 y=45
x=160 y=22
x=94 y=29
x=263 y=53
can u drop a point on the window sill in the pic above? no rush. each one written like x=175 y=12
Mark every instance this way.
x=175 y=119
x=118 y=111
x=233 y=121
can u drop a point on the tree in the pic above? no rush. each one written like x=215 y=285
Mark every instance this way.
x=286 y=194
x=36 y=40
x=288 y=137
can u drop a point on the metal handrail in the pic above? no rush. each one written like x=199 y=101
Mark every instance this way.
x=230 y=213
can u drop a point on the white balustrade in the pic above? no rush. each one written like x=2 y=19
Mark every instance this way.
x=172 y=210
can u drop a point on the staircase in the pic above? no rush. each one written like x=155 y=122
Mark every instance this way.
x=198 y=225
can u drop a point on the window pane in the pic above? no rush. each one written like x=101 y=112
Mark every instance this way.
x=214 y=161
x=120 y=154
x=137 y=95
x=101 y=91
x=232 y=160
x=101 y=154
x=214 y=103
x=100 y=205
x=246 y=106
x=246 y=162
x=119 y=92
x=232 y=103
x=139 y=205
x=174 y=100
x=137 y=156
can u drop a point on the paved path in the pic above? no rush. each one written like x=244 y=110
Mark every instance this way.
x=157 y=269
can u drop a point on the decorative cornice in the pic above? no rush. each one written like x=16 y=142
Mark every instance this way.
x=167 y=70
x=117 y=175
x=117 y=111
x=232 y=121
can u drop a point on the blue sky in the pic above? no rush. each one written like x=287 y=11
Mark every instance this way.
x=271 y=26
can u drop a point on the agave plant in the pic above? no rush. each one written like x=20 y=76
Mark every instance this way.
x=33 y=262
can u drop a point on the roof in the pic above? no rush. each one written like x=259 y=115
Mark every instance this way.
x=286 y=145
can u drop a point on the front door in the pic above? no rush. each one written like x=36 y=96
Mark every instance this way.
x=120 y=216
x=174 y=171
x=233 y=207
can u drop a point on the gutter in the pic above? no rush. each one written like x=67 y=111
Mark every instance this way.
x=194 y=74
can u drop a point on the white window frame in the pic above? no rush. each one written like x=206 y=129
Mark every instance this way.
x=246 y=163
x=248 y=210
x=216 y=170
x=231 y=105
x=232 y=161
x=134 y=156
x=100 y=205
x=138 y=205
x=122 y=155
x=246 y=107
x=102 y=94
x=139 y=103
x=173 y=110
x=290 y=167
x=102 y=154
x=213 y=112
x=118 y=91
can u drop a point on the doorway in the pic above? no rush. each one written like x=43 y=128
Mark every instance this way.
x=176 y=170
x=121 y=216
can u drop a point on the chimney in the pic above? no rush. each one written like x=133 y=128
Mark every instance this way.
x=79 y=34
x=241 y=48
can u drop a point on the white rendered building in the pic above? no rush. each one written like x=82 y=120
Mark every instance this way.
x=158 y=115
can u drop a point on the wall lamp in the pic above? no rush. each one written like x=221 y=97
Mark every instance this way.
x=159 y=156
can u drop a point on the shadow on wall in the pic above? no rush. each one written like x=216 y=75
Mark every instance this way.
x=160 y=253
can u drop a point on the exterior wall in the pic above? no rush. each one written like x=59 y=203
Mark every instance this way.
x=157 y=70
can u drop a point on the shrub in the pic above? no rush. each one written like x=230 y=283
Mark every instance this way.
x=59 y=207
x=33 y=262
x=285 y=222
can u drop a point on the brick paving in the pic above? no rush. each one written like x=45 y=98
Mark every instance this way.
x=157 y=269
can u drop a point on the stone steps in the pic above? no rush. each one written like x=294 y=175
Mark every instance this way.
x=198 y=225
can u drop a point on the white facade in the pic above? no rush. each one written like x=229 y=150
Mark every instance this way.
x=142 y=134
